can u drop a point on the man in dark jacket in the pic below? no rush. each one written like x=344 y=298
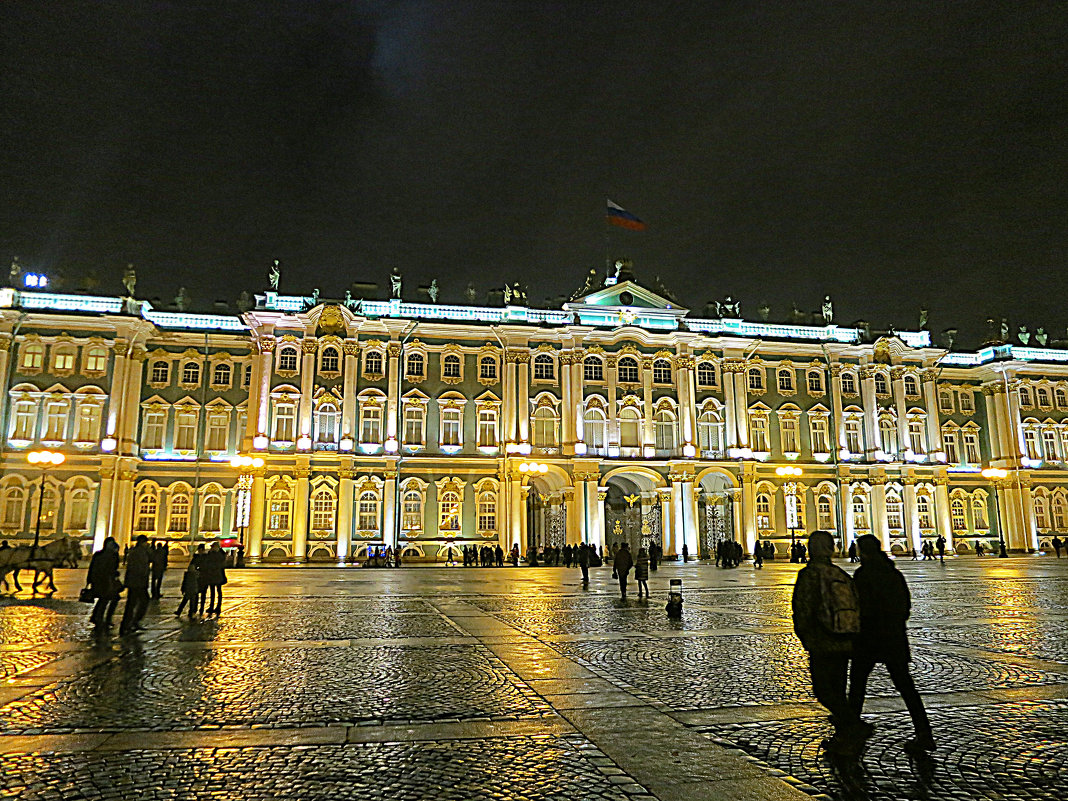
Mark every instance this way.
x=885 y=605
x=159 y=567
x=622 y=564
x=104 y=582
x=582 y=556
x=138 y=575
x=826 y=619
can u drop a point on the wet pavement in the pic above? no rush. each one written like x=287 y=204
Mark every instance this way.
x=518 y=683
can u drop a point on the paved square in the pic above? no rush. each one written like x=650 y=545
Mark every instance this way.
x=519 y=683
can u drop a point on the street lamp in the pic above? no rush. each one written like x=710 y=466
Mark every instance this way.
x=790 y=490
x=995 y=475
x=244 y=488
x=44 y=459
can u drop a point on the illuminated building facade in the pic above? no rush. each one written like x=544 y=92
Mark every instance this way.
x=422 y=426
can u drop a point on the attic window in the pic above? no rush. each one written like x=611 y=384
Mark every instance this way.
x=626 y=298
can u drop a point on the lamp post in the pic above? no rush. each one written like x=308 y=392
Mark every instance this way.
x=790 y=498
x=44 y=459
x=996 y=475
x=244 y=488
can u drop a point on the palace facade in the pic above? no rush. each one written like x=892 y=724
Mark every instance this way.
x=424 y=426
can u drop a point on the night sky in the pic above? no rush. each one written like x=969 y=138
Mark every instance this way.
x=891 y=155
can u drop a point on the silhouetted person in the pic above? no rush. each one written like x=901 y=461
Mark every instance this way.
x=826 y=617
x=159 y=567
x=213 y=576
x=940 y=544
x=583 y=559
x=622 y=564
x=499 y=555
x=641 y=572
x=884 y=607
x=103 y=580
x=1057 y=546
x=685 y=552
x=138 y=575
x=191 y=586
x=758 y=555
x=853 y=551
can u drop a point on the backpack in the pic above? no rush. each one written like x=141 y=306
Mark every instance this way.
x=839 y=605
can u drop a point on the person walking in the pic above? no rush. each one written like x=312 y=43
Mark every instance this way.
x=655 y=554
x=826 y=616
x=1057 y=545
x=885 y=605
x=641 y=572
x=583 y=559
x=213 y=575
x=853 y=551
x=159 y=567
x=103 y=580
x=758 y=555
x=191 y=586
x=138 y=576
x=622 y=565
x=940 y=544
x=685 y=553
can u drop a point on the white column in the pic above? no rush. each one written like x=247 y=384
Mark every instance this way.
x=934 y=425
x=567 y=406
x=523 y=401
x=667 y=522
x=878 y=510
x=308 y=347
x=686 y=383
x=647 y=402
x=578 y=399
x=260 y=420
x=117 y=396
x=613 y=412
x=344 y=513
x=599 y=539
x=741 y=406
x=992 y=430
x=518 y=514
x=689 y=515
x=509 y=432
x=393 y=349
x=351 y=349
x=573 y=515
x=871 y=412
x=748 y=496
x=256 y=511
x=898 y=377
x=836 y=406
x=131 y=407
x=300 y=511
x=1014 y=419
x=944 y=523
x=747 y=538
x=389 y=508
x=847 y=513
x=912 y=522
x=105 y=500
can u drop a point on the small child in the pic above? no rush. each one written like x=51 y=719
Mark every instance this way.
x=190 y=590
x=641 y=572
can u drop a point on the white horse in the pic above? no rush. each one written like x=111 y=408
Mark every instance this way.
x=42 y=560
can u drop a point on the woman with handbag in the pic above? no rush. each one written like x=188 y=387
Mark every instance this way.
x=103 y=583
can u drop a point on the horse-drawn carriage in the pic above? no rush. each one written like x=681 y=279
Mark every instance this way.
x=42 y=560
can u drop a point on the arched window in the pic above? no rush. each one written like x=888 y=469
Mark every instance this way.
x=979 y=518
x=763 y=512
x=412 y=511
x=14 y=507
x=1061 y=397
x=592 y=369
x=287 y=360
x=543 y=367
x=487 y=512
x=664 y=430
x=1025 y=397
x=487 y=368
x=755 y=376
x=1060 y=513
x=861 y=519
x=825 y=513
x=593 y=430
x=77 y=515
x=627 y=370
x=923 y=512
x=191 y=373
x=450 y=366
x=888 y=434
x=966 y=402
x=785 y=378
x=372 y=363
x=416 y=365
x=161 y=372
x=368 y=513
x=96 y=360
x=326 y=423
x=958 y=518
x=449 y=506
x=1041 y=512
x=882 y=386
x=629 y=427
x=32 y=356
x=1042 y=395
x=221 y=375
x=281 y=506
x=709 y=432
x=330 y=360
x=661 y=371
x=451 y=424
x=815 y=382
x=912 y=386
x=544 y=427
x=849 y=383
x=147 y=509
x=179 y=519
x=211 y=513
x=323 y=510
x=706 y=374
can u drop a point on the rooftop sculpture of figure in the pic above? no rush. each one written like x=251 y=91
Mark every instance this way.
x=274 y=275
x=433 y=291
x=129 y=280
x=395 y=282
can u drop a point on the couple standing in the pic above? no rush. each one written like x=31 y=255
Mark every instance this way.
x=860 y=620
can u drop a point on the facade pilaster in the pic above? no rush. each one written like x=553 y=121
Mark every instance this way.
x=648 y=439
x=105 y=502
x=872 y=438
x=897 y=376
x=523 y=400
x=117 y=397
x=878 y=509
x=846 y=500
x=344 y=511
x=517 y=512
x=567 y=406
x=837 y=407
x=393 y=382
x=667 y=522
x=351 y=350
x=259 y=422
x=122 y=522
x=934 y=425
x=6 y=341
x=943 y=520
x=309 y=347
x=741 y=405
x=1015 y=418
x=687 y=388
x=993 y=427
x=613 y=407
x=573 y=515
x=749 y=526
x=256 y=515
x=389 y=507
x=509 y=429
x=579 y=396
x=130 y=413
x=911 y=515
x=300 y=510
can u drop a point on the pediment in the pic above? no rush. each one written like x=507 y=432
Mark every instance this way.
x=626 y=295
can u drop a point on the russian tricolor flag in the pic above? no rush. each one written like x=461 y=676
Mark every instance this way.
x=617 y=215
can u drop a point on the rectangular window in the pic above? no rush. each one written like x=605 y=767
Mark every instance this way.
x=487 y=512
x=916 y=439
x=759 y=428
x=786 y=381
x=25 y=420
x=412 y=512
x=55 y=422
x=371 y=425
x=966 y=402
x=185 y=431
x=971 y=448
x=487 y=428
x=96 y=361
x=88 y=422
x=64 y=362
x=450 y=427
x=853 y=439
x=949 y=443
x=413 y=425
x=815 y=382
x=279 y=514
x=1049 y=442
x=218 y=432
x=788 y=433
x=1031 y=444
x=285 y=418
x=152 y=430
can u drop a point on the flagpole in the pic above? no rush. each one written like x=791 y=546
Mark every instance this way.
x=607 y=253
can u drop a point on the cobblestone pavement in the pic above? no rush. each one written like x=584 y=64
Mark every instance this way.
x=520 y=683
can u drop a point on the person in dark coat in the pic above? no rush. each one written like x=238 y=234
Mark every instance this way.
x=213 y=576
x=104 y=581
x=758 y=554
x=885 y=605
x=826 y=615
x=499 y=555
x=138 y=576
x=583 y=559
x=622 y=563
x=641 y=572
x=191 y=587
x=159 y=567
x=685 y=552
x=655 y=552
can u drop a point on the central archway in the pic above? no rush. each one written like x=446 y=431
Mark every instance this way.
x=633 y=511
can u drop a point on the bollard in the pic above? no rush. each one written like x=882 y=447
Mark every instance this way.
x=674 y=604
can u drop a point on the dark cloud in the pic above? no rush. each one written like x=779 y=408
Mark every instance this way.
x=892 y=156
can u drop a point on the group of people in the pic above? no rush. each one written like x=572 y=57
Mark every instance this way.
x=848 y=625
x=146 y=565
x=484 y=556
x=729 y=553
x=798 y=553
